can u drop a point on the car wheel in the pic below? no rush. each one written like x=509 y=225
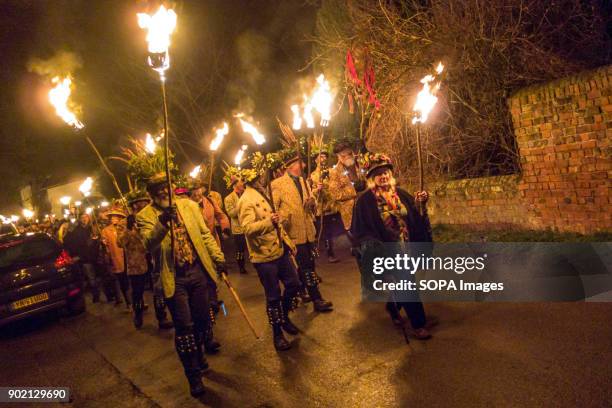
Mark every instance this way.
x=76 y=305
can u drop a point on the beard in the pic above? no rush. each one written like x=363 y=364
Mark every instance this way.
x=162 y=202
x=348 y=162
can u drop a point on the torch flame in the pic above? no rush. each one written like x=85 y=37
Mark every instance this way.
x=426 y=98
x=160 y=27
x=195 y=172
x=252 y=130
x=27 y=213
x=65 y=200
x=86 y=186
x=240 y=155
x=220 y=134
x=150 y=144
x=59 y=97
x=322 y=100
x=308 y=118
x=297 y=120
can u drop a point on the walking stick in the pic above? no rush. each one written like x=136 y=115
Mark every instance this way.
x=237 y=299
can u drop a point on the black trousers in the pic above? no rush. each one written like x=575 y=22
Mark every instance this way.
x=137 y=282
x=123 y=284
x=305 y=259
x=272 y=273
x=241 y=249
x=330 y=230
x=189 y=304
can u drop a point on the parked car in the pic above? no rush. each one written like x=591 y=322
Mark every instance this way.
x=37 y=275
x=8 y=229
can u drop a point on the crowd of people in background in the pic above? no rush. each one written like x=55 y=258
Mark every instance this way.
x=277 y=217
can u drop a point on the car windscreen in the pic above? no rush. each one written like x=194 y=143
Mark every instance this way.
x=7 y=229
x=27 y=252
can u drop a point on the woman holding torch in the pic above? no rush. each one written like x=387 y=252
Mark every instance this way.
x=385 y=213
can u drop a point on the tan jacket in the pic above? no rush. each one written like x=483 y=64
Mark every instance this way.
x=216 y=197
x=325 y=203
x=231 y=202
x=213 y=215
x=298 y=222
x=254 y=215
x=156 y=238
x=136 y=254
x=110 y=239
x=343 y=192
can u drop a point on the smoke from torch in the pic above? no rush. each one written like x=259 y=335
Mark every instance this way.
x=59 y=96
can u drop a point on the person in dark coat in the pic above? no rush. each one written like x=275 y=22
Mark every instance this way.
x=83 y=242
x=385 y=213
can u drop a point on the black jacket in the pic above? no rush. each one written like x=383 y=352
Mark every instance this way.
x=367 y=223
x=79 y=242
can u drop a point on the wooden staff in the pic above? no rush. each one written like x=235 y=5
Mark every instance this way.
x=108 y=171
x=237 y=299
x=420 y=163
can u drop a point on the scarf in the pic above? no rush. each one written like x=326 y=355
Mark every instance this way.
x=392 y=212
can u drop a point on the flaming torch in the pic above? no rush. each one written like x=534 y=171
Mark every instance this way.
x=195 y=172
x=251 y=130
x=297 y=119
x=322 y=100
x=85 y=187
x=59 y=97
x=214 y=146
x=160 y=27
x=150 y=144
x=425 y=102
x=240 y=155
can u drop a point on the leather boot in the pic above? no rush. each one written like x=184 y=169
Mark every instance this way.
x=275 y=317
x=280 y=342
x=240 y=262
x=202 y=362
x=289 y=304
x=138 y=311
x=187 y=350
x=160 y=313
x=211 y=346
x=311 y=280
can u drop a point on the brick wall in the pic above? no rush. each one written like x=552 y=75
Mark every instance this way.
x=563 y=131
x=488 y=202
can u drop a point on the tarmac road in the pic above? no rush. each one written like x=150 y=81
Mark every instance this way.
x=536 y=354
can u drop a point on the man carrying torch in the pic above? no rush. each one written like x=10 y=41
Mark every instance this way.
x=183 y=267
x=295 y=202
x=270 y=249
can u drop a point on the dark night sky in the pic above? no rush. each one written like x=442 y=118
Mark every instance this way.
x=235 y=55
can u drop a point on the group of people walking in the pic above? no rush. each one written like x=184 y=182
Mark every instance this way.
x=277 y=215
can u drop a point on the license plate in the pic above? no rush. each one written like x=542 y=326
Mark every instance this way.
x=20 y=304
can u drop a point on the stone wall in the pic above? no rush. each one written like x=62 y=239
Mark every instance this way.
x=563 y=131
